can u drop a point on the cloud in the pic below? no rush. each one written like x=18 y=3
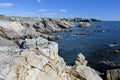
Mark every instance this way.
x=29 y=13
x=63 y=10
x=49 y=14
x=5 y=5
x=38 y=0
x=42 y=10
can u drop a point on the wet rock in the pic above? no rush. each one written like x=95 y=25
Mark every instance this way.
x=77 y=19
x=99 y=26
x=95 y=20
x=67 y=30
x=117 y=51
x=51 y=38
x=114 y=44
x=108 y=51
x=99 y=31
x=82 y=34
x=110 y=64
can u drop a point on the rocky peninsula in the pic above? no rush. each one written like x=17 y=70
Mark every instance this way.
x=26 y=52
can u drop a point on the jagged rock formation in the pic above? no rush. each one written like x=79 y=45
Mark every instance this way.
x=113 y=74
x=39 y=60
x=25 y=54
x=109 y=51
x=21 y=28
x=76 y=19
x=54 y=25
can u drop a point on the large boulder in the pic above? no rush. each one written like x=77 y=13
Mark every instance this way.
x=13 y=30
x=85 y=71
x=81 y=60
x=84 y=25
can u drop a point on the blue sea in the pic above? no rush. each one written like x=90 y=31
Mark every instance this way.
x=71 y=44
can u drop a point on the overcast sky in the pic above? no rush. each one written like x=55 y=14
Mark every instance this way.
x=101 y=9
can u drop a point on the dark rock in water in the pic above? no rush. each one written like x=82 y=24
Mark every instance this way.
x=95 y=20
x=99 y=31
x=109 y=51
x=76 y=19
x=82 y=34
x=53 y=38
x=84 y=25
x=110 y=64
x=81 y=20
x=117 y=51
x=99 y=26
x=114 y=44
x=113 y=74
x=67 y=30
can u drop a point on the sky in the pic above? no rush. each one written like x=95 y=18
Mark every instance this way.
x=100 y=9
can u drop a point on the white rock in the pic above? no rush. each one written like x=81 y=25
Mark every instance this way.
x=87 y=73
x=32 y=74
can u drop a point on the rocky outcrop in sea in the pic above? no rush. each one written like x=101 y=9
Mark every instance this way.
x=77 y=19
x=84 y=25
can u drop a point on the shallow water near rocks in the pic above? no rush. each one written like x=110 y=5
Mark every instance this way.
x=71 y=44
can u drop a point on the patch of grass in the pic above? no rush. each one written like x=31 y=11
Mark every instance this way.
x=2 y=17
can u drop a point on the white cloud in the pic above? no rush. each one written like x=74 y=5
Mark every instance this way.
x=5 y=5
x=29 y=13
x=63 y=10
x=42 y=10
x=38 y=0
x=49 y=14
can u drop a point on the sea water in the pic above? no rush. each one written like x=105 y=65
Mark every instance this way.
x=71 y=44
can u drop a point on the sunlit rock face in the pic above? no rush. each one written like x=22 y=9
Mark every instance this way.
x=24 y=55
x=84 y=25
x=39 y=60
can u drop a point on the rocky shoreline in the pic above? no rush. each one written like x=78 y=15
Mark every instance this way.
x=38 y=59
x=28 y=53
